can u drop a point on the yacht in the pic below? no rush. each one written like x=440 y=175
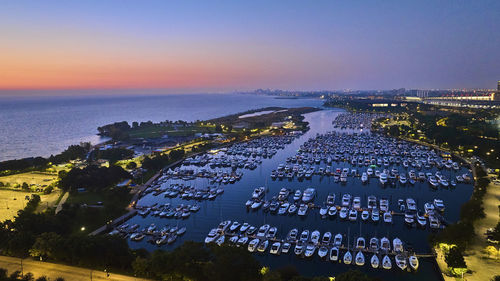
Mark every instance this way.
x=375 y=215
x=383 y=178
x=327 y=237
x=271 y=234
x=372 y=202
x=234 y=226
x=323 y=211
x=384 y=204
x=421 y=220
x=409 y=218
x=292 y=209
x=374 y=244
x=315 y=236
x=285 y=248
x=403 y=179
x=297 y=195
x=283 y=194
x=364 y=178
x=360 y=243
x=343 y=213
x=258 y=193
x=283 y=208
x=330 y=200
x=346 y=200
x=244 y=227
x=332 y=211
x=365 y=215
x=242 y=241
x=292 y=235
x=304 y=236
x=411 y=205
x=375 y=261
x=211 y=237
x=439 y=204
x=220 y=240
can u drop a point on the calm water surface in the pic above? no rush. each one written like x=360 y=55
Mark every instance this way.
x=231 y=206
x=43 y=126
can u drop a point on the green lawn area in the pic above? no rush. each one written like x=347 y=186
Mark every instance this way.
x=159 y=131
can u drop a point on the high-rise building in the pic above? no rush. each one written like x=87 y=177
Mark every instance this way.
x=498 y=87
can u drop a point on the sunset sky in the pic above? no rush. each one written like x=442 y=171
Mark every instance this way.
x=207 y=46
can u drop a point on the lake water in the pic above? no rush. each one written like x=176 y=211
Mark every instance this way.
x=41 y=126
x=231 y=206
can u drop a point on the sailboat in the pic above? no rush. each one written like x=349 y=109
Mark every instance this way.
x=375 y=262
x=386 y=262
x=401 y=261
x=360 y=259
x=413 y=261
x=348 y=255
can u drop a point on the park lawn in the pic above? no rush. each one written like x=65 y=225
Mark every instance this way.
x=33 y=179
x=12 y=201
x=159 y=131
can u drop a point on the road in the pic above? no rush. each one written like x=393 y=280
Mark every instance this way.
x=53 y=270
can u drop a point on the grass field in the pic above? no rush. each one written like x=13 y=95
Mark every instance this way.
x=159 y=131
x=33 y=179
x=12 y=201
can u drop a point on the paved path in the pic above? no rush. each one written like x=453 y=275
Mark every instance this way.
x=53 y=270
x=61 y=203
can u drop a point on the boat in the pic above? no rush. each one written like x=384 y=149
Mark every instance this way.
x=360 y=259
x=360 y=243
x=256 y=205
x=299 y=248
x=375 y=215
x=304 y=236
x=263 y=246
x=343 y=213
x=322 y=251
x=348 y=257
x=386 y=262
x=439 y=204
x=271 y=233
x=401 y=261
x=337 y=241
x=297 y=195
x=353 y=215
x=308 y=195
x=332 y=211
x=385 y=244
x=346 y=200
x=252 y=245
x=409 y=218
x=397 y=245
x=263 y=231
x=330 y=200
x=258 y=193
x=285 y=248
x=413 y=261
x=356 y=203
x=233 y=240
x=383 y=178
x=292 y=235
x=181 y=231
x=302 y=210
x=251 y=230
x=224 y=225
x=242 y=241
x=283 y=208
x=244 y=227
x=327 y=237
x=220 y=240
x=374 y=261
x=388 y=217
x=315 y=235
x=212 y=235
x=234 y=226
x=323 y=211
x=292 y=209
x=334 y=254
x=364 y=177
x=374 y=244
x=275 y=248
x=310 y=249
x=421 y=220
x=365 y=215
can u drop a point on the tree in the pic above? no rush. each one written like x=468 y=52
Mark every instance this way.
x=131 y=165
x=25 y=186
x=454 y=258
x=46 y=245
x=218 y=128
x=352 y=275
x=141 y=266
x=43 y=278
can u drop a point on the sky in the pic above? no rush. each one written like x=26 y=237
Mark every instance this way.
x=224 y=46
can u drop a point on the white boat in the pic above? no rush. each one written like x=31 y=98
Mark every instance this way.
x=308 y=195
x=323 y=211
x=220 y=240
x=360 y=243
x=322 y=251
x=258 y=193
x=256 y=205
x=297 y=195
x=343 y=213
x=244 y=227
x=292 y=235
x=375 y=215
x=383 y=178
x=364 y=177
x=332 y=211
x=292 y=209
x=388 y=217
x=285 y=248
x=224 y=225
x=413 y=261
x=283 y=208
x=374 y=261
x=401 y=261
x=234 y=226
x=304 y=236
x=337 y=241
x=263 y=246
x=356 y=203
x=302 y=210
x=310 y=249
x=348 y=257
x=242 y=241
x=439 y=204
x=263 y=230
x=334 y=254
x=353 y=215
x=233 y=240
x=275 y=248
x=385 y=244
x=360 y=259
x=299 y=248
x=315 y=235
x=365 y=215
x=374 y=244
x=327 y=237
x=346 y=200
x=212 y=235
x=386 y=262
x=271 y=233
x=397 y=245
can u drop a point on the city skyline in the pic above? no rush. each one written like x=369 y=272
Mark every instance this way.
x=196 y=47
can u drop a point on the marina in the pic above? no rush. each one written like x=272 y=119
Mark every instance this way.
x=231 y=203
